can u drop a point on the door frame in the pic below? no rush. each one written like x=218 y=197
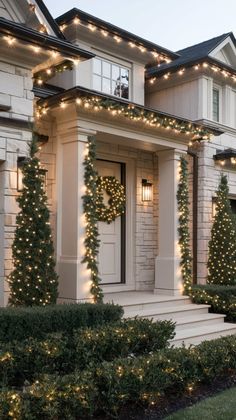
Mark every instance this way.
x=129 y=224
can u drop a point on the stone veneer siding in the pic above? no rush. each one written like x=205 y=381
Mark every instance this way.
x=15 y=91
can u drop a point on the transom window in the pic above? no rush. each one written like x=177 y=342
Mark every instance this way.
x=216 y=104
x=110 y=78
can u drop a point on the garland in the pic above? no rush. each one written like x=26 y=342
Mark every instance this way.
x=183 y=229
x=90 y=209
x=116 y=202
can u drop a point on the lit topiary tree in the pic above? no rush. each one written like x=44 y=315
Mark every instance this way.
x=33 y=280
x=222 y=246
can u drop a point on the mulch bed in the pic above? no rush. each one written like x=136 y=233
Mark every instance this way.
x=168 y=406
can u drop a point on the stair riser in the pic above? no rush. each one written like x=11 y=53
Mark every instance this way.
x=197 y=340
x=197 y=324
x=171 y=315
x=154 y=305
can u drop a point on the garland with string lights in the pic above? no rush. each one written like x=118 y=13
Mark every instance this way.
x=183 y=229
x=90 y=202
x=33 y=280
x=152 y=119
x=116 y=202
x=222 y=245
x=42 y=76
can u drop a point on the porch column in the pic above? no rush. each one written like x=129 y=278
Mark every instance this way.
x=74 y=281
x=168 y=279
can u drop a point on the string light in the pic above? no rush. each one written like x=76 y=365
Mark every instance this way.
x=196 y=67
x=183 y=229
x=137 y=114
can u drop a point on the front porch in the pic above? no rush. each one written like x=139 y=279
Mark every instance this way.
x=141 y=251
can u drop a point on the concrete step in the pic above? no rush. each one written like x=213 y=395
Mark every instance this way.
x=173 y=312
x=194 y=336
x=194 y=321
x=137 y=301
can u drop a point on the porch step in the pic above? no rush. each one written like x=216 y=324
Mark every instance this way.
x=202 y=333
x=173 y=312
x=194 y=323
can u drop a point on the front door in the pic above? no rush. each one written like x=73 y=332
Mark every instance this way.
x=111 y=263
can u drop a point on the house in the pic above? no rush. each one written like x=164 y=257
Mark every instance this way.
x=146 y=107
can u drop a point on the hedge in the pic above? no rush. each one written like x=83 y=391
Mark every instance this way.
x=21 y=361
x=221 y=298
x=21 y=323
x=106 y=389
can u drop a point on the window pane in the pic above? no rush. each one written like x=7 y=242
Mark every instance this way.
x=124 y=91
x=115 y=72
x=124 y=75
x=115 y=88
x=215 y=105
x=106 y=85
x=97 y=66
x=97 y=83
x=106 y=69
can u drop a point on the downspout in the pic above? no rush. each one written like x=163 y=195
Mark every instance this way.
x=195 y=214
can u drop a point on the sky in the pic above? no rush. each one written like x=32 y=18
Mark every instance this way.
x=173 y=24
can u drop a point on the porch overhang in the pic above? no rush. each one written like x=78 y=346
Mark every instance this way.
x=122 y=109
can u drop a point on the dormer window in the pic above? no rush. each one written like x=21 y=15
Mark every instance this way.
x=111 y=78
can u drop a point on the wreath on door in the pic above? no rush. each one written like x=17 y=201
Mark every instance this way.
x=116 y=202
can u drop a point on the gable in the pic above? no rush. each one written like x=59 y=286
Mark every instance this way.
x=31 y=13
x=225 y=52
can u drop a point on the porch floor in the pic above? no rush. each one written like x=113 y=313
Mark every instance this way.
x=194 y=323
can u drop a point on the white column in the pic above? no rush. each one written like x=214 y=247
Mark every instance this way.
x=168 y=279
x=74 y=281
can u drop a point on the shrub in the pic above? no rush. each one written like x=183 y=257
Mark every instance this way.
x=21 y=323
x=221 y=298
x=21 y=361
x=142 y=380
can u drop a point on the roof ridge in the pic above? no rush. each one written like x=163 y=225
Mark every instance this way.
x=216 y=38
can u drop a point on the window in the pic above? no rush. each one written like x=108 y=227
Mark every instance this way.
x=216 y=104
x=110 y=78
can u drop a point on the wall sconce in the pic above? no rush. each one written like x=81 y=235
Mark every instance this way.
x=146 y=190
x=21 y=161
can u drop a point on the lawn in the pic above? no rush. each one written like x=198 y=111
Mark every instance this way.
x=222 y=406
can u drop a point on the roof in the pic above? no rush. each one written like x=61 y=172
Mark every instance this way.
x=193 y=54
x=86 y=17
x=20 y=31
x=50 y=19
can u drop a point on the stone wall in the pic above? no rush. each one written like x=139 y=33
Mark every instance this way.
x=15 y=92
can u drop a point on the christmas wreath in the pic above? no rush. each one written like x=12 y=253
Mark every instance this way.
x=116 y=202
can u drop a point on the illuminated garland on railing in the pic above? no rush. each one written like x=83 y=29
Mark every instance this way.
x=137 y=114
x=90 y=210
x=183 y=229
x=43 y=75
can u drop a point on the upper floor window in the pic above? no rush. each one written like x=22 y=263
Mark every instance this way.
x=216 y=104
x=110 y=78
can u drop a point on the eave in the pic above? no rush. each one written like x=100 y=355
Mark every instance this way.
x=78 y=16
x=31 y=36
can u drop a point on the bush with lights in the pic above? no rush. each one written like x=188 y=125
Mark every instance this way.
x=183 y=229
x=33 y=280
x=222 y=245
x=104 y=390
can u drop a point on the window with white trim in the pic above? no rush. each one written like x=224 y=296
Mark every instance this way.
x=216 y=104
x=111 y=78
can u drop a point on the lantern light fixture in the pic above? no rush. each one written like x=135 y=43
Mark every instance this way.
x=146 y=190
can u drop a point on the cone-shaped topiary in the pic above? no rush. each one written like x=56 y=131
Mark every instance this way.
x=222 y=246
x=33 y=280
